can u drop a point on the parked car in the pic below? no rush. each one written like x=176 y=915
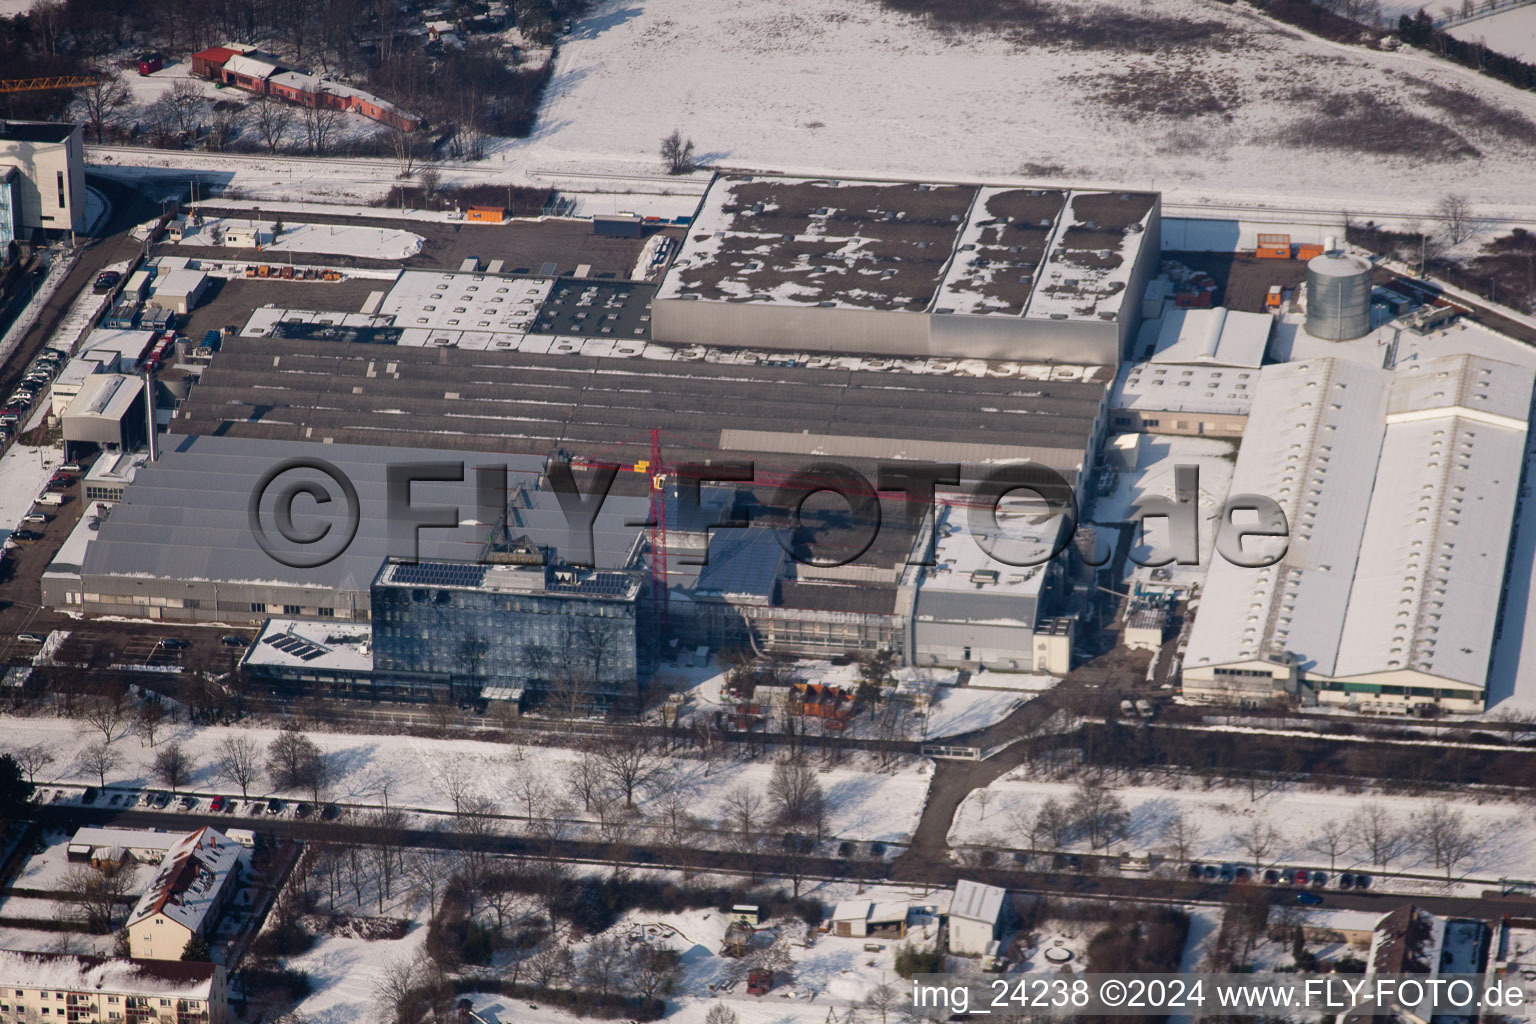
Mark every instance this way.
x=145 y=799
x=231 y=805
x=1301 y=876
x=162 y=800
x=1346 y=880
x=89 y=796
x=1243 y=874
x=301 y=810
x=174 y=643
x=331 y=813
x=1194 y=870
x=230 y=640
x=216 y=804
x=1271 y=876
x=31 y=638
x=188 y=802
x=1144 y=708
x=106 y=281
x=25 y=535
x=1210 y=873
x=1227 y=873
x=1309 y=899
x=1319 y=878
x=1362 y=881
x=1287 y=876
x=274 y=807
x=117 y=798
x=70 y=467
x=34 y=517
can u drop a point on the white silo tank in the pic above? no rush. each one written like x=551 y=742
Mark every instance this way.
x=1338 y=296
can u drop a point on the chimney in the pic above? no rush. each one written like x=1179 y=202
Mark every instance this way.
x=149 y=409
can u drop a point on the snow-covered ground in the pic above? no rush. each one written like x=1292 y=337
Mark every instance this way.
x=335 y=239
x=415 y=773
x=1508 y=32
x=1506 y=834
x=858 y=89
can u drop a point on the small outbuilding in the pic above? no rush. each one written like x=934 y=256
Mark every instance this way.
x=181 y=290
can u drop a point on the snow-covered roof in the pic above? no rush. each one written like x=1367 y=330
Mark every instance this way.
x=1216 y=337
x=853 y=910
x=127 y=838
x=180 y=282
x=1431 y=564
x=250 y=67
x=1311 y=443
x=315 y=646
x=911 y=246
x=1400 y=490
x=90 y=974
x=1024 y=534
x=1092 y=256
x=105 y=396
x=975 y=901
x=191 y=878
x=124 y=344
x=1212 y=390
x=448 y=301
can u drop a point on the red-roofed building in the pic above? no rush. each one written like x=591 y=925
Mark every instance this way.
x=208 y=63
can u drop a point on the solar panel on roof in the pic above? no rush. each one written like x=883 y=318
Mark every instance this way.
x=439 y=574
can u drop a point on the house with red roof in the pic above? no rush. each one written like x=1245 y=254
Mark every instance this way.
x=197 y=877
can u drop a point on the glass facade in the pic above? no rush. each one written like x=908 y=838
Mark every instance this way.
x=559 y=634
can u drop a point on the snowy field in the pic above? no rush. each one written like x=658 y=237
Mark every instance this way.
x=1508 y=32
x=1507 y=834
x=416 y=774
x=858 y=89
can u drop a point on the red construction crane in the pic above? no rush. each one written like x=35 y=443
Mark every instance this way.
x=42 y=84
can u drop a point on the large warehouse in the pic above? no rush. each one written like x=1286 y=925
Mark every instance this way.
x=1400 y=488
x=910 y=269
x=602 y=406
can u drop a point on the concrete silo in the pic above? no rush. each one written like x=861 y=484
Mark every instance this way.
x=1338 y=296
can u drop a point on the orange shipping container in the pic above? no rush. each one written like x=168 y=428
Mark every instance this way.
x=486 y=214
x=1270 y=253
x=1306 y=252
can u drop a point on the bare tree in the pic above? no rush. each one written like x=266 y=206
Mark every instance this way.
x=33 y=759
x=1456 y=213
x=147 y=721
x=429 y=179
x=272 y=118
x=99 y=758
x=103 y=100
x=399 y=995
x=1183 y=834
x=585 y=777
x=320 y=127
x=1333 y=839
x=674 y=818
x=719 y=1013
x=406 y=148
x=428 y=874
x=293 y=759
x=173 y=766
x=797 y=797
x=1258 y=840
x=884 y=1000
x=458 y=782
x=105 y=712
x=629 y=764
x=677 y=153
x=532 y=792
x=1099 y=813
x=652 y=971
x=743 y=815
x=97 y=893
x=1384 y=838
x=1447 y=836
x=550 y=965
x=184 y=104
x=239 y=762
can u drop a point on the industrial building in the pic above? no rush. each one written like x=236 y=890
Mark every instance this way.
x=47 y=192
x=1400 y=489
x=912 y=269
x=593 y=403
x=109 y=414
x=93 y=988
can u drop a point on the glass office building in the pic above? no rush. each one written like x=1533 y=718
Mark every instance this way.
x=448 y=630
